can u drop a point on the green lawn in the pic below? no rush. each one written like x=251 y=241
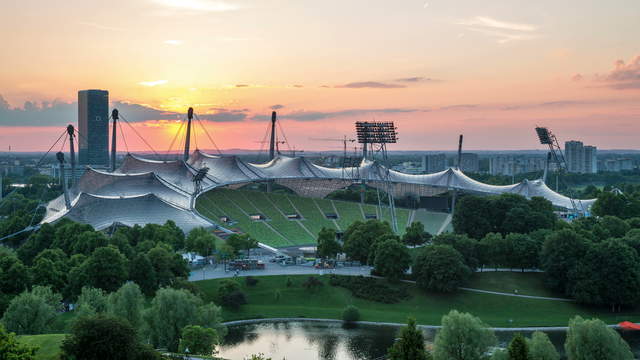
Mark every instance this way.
x=508 y=282
x=49 y=345
x=328 y=302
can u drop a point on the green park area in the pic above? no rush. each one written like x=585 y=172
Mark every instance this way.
x=272 y=298
x=48 y=345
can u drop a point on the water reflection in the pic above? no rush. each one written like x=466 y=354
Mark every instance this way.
x=331 y=341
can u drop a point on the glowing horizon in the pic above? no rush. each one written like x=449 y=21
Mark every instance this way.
x=490 y=71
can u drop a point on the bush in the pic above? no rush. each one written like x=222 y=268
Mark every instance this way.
x=234 y=299
x=250 y=281
x=350 y=314
x=312 y=283
x=373 y=289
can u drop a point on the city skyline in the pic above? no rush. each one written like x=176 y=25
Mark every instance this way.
x=491 y=71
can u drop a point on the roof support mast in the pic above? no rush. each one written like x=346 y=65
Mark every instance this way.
x=114 y=116
x=188 y=138
x=71 y=132
x=454 y=197
x=272 y=145
x=63 y=180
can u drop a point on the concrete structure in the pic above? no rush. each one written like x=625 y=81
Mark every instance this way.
x=616 y=165
x=93 y=126
x=590 y=159
x=510 y=165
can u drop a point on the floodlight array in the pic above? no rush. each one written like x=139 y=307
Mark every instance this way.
x=376 y=132
x=544 y=136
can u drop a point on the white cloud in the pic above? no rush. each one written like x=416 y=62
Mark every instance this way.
x=502 y=31
x=174 y=42
x=153 y=83
x=199 y=5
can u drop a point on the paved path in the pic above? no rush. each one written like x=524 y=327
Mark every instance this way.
x=515 y=295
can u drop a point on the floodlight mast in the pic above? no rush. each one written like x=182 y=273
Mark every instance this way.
x=381 y=134
x=114 y=116
x=546 y=137
x=187 y=140
x=71 y=132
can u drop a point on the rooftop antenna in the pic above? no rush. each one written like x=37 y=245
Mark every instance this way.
x=63 y=181
x=188 y=138
x=71 y=132
x=114 y=116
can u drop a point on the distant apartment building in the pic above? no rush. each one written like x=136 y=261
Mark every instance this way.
x=580 y=158
x=93 y=126
x=434 y=163
x=616 y=165
x=510 y=165
x=469 y=162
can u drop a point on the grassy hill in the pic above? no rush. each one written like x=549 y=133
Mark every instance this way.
x=49 y=345
x=428 y=308
x=279 y=231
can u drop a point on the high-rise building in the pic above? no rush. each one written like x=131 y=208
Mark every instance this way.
x=434 y=163
x=580 y=158
x=590 y=159
x=469 y=162
x=93 y=126
x=574 y=155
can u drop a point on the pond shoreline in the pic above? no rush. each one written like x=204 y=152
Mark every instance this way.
x=375 y=323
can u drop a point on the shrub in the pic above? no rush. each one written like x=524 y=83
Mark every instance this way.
x=289 y=282
x=234 y=299
x=250 y=281
x=312 y=283
x=350 y=314
x=373 y=289
x=277 y=295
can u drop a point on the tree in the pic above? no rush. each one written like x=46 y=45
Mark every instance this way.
x=466 y=246
x=541 y=348
x=415 y=234
x=495 y=247
x=142 y=273
x=592 y=280
x=360 y=237
x=470 y=216
x=609 y=203
x=93 y=298
x=162 y=261
x=409 y=345
x=392 y=259
x=198 y=340
x=328 y=246
x=28 y=314
x=12 y=349
x=242 y=242
x=37 y=241
x=52 y=298
x=100 y=337
x=593 y=340
x=127 y=303
x=462 y=337
x=171 y=310
x=200 y=241
x=440 y=268
x=14 y=276
x=518 y=348
x=106 y=269
x=560 y=256
x=525 y=251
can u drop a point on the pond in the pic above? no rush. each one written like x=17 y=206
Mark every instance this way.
x=311 y=340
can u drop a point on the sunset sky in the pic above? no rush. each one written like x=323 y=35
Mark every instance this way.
x=490 y=70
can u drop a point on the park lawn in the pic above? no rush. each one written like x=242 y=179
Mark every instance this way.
x=528 y=283
x=329 y=302
x=49 y=345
